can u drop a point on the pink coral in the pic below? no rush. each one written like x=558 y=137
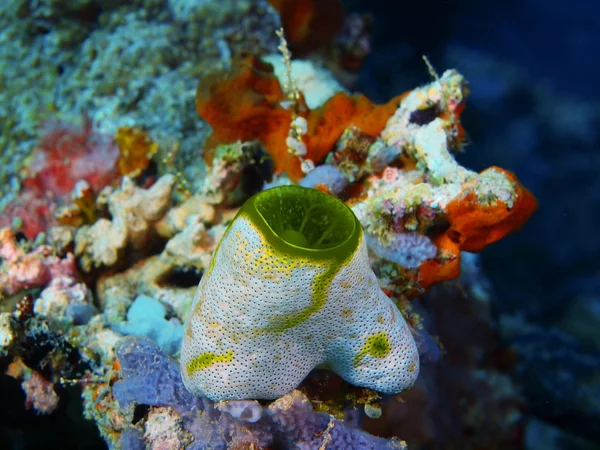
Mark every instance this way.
x=40 y=394
x=34 y=211
x=21 y=270
x=65 y=155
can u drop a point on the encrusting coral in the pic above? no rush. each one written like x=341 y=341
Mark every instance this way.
x=452 y=208
x=248 y=103
x=149 y=377
x=289 y=288
x=135 y=212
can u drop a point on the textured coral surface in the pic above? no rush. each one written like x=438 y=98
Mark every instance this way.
x=137 y=138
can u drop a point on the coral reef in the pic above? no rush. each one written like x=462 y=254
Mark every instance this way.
x=48 y=180
x=171 y=277
x=92 y=157
x=93 y=59
x=118 y=202
x=57 y=280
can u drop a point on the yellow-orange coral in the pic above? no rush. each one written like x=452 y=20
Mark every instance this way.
x=136 y=150
x=473 y=225
x=247 y=104
x=83 y=208
x=326 y=124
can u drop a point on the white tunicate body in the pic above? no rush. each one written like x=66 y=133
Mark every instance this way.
x=259 y=324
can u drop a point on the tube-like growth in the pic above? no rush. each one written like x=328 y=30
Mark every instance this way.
x=290 y=288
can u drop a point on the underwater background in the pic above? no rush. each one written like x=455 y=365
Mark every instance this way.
x=133 y=131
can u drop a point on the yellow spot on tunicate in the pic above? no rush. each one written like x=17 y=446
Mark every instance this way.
x=380 y=319
x=412 y=367
x=198 y=308
x=394 y=316
x=377 y=346
x=264 y=261
x=346 y=284
x=346 y=313
x=205 y=360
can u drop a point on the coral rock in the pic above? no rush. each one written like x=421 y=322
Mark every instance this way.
x=303 y=428
x=25 y=270
x=194 y=209
x=99 y=245
x=40 y=394
x=164 y=430
x=92 y=157
x=61 y=296
x=236 y=173
x=453 y=207
x=135 y=212
x=31 y=213
x=171 y=277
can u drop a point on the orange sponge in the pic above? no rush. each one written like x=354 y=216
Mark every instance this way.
x=473 y=225
x=248 y=103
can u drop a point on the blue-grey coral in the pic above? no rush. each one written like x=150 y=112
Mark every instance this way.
x=327 y=175
x=151 y=378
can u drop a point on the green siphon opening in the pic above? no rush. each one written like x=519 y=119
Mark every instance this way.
x=306 y=217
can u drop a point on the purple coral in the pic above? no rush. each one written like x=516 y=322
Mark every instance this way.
x=329 y=176
x=293 y=417
x=409 y=250
x=150 y=377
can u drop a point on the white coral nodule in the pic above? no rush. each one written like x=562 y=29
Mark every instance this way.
x=290 y=288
